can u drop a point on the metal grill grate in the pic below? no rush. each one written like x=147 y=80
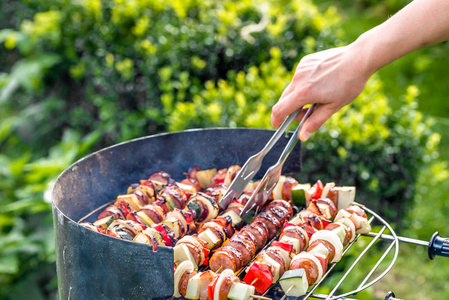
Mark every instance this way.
x=394 y=242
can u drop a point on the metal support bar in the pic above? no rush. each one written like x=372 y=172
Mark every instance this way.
x=355 y=263
x=400 y=238
x=364 y=285
x=310 y=293
x=377 y=265
x=323 y=296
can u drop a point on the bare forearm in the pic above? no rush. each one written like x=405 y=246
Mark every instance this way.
x=420 y=24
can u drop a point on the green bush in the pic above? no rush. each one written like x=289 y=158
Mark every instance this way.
x=106 y=59
x=81 y=75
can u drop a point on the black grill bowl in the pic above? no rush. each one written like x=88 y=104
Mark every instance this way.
x=94 y=266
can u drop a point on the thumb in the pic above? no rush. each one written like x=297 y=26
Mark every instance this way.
x=315 y=121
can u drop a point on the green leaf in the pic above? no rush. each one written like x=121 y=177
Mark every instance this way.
x=88 y=141
x=6 y=126
x=20 y=205
x=9 y=264
x=28 y=74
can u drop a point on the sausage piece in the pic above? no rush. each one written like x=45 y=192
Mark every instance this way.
x=297 y=233
x=326 y=244
x=281 y=203
x=309 y=267
x=244 y=245
x=226 y=286
x=226 y=258
x=184 y=281
x=271 y=222
x=206 y=278
x=260 y=236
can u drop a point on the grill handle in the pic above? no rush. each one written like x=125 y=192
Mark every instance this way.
x=438 y=246
x=391 y=296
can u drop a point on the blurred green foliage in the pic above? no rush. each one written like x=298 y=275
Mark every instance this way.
x=80 y=75
x=414 y=276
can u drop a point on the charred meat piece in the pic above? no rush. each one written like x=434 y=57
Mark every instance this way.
x=326 y=207
x=112 y=211
x=226 y=257
x=205 y=279
x=216 y=191
x=244 y=245
x=204 y=207
x=174 y=196
x=311 y=266
x=260 y=235
x=270 y=221
x=160 y=179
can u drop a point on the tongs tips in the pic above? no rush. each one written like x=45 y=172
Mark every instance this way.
x=271 y=177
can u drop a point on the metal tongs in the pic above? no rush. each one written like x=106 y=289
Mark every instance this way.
x=271 y=177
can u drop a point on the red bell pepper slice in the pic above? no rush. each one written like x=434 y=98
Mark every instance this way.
x=188 y=215
x=168 y=240
x=131 y=216
x=287 y=224
x=319 y=190
x=211 y=288
x=309 y=229
x=264 y=278
x=219 y=177
x=124 y=206
x=287 y=247
x=325 y=222
x=206 y=253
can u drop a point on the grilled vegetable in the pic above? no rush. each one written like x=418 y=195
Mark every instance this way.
x=104 y=222
x=204 y=177
x=263 y=276
x=241 y=291
x=294 y=282
x=185 y=266
x=346 y=196
x=210 y=238
x=204 y=207
x=193 y=287
x=300 y=195
x=331 y=241
x=311 y=265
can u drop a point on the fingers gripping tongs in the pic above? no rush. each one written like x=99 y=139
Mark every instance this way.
x=271 y=177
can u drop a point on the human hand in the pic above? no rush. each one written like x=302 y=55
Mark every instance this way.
x=333 y=78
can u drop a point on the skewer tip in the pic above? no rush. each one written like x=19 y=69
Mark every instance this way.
x=288 y=291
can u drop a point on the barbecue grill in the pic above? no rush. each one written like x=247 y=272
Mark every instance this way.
x=95 y=266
